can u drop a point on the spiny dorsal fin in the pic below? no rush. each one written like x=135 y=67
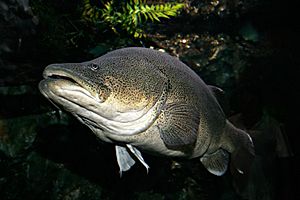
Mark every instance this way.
x=219 y=94
x=216 y=90
x=217 y=162
x=179 y=126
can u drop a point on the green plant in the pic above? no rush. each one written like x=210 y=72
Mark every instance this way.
x=130 y=16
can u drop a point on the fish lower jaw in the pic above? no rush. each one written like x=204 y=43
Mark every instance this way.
x=132 y=126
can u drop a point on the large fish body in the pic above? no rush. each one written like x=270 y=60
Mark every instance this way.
x=141 y=99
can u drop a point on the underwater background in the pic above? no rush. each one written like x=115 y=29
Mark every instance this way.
x=249 y=48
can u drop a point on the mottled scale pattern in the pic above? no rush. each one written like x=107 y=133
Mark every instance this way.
x=182 y=83
x=131 y=81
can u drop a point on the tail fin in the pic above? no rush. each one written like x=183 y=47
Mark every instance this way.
x=240 y=145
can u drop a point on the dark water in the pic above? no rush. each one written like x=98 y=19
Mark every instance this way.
x=247 y=48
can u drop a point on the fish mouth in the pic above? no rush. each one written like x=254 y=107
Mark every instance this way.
x=65 y=90
x=59 y=81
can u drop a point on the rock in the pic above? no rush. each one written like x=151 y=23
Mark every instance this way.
x=17 y=27
x=35 y=177
x=17 y=134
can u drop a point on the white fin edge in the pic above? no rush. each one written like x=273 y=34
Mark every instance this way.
x=138 y=155
x=125 y=161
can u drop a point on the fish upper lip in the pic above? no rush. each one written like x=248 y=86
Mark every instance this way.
x=56 y=71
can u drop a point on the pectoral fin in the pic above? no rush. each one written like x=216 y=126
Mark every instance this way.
x=125 y=161
x=217 y=162
x=179 y=126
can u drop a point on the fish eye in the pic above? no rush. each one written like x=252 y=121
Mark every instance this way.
x=93 y=66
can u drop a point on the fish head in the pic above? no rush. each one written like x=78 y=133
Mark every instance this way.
x=118 y=95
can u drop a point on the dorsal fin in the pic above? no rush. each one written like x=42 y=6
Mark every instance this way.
x=216 y=91
x=219 y=94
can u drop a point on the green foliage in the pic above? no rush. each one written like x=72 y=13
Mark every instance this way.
x=130 y=16
x=63 y=32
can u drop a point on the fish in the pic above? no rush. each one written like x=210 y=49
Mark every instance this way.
x=143 y=100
